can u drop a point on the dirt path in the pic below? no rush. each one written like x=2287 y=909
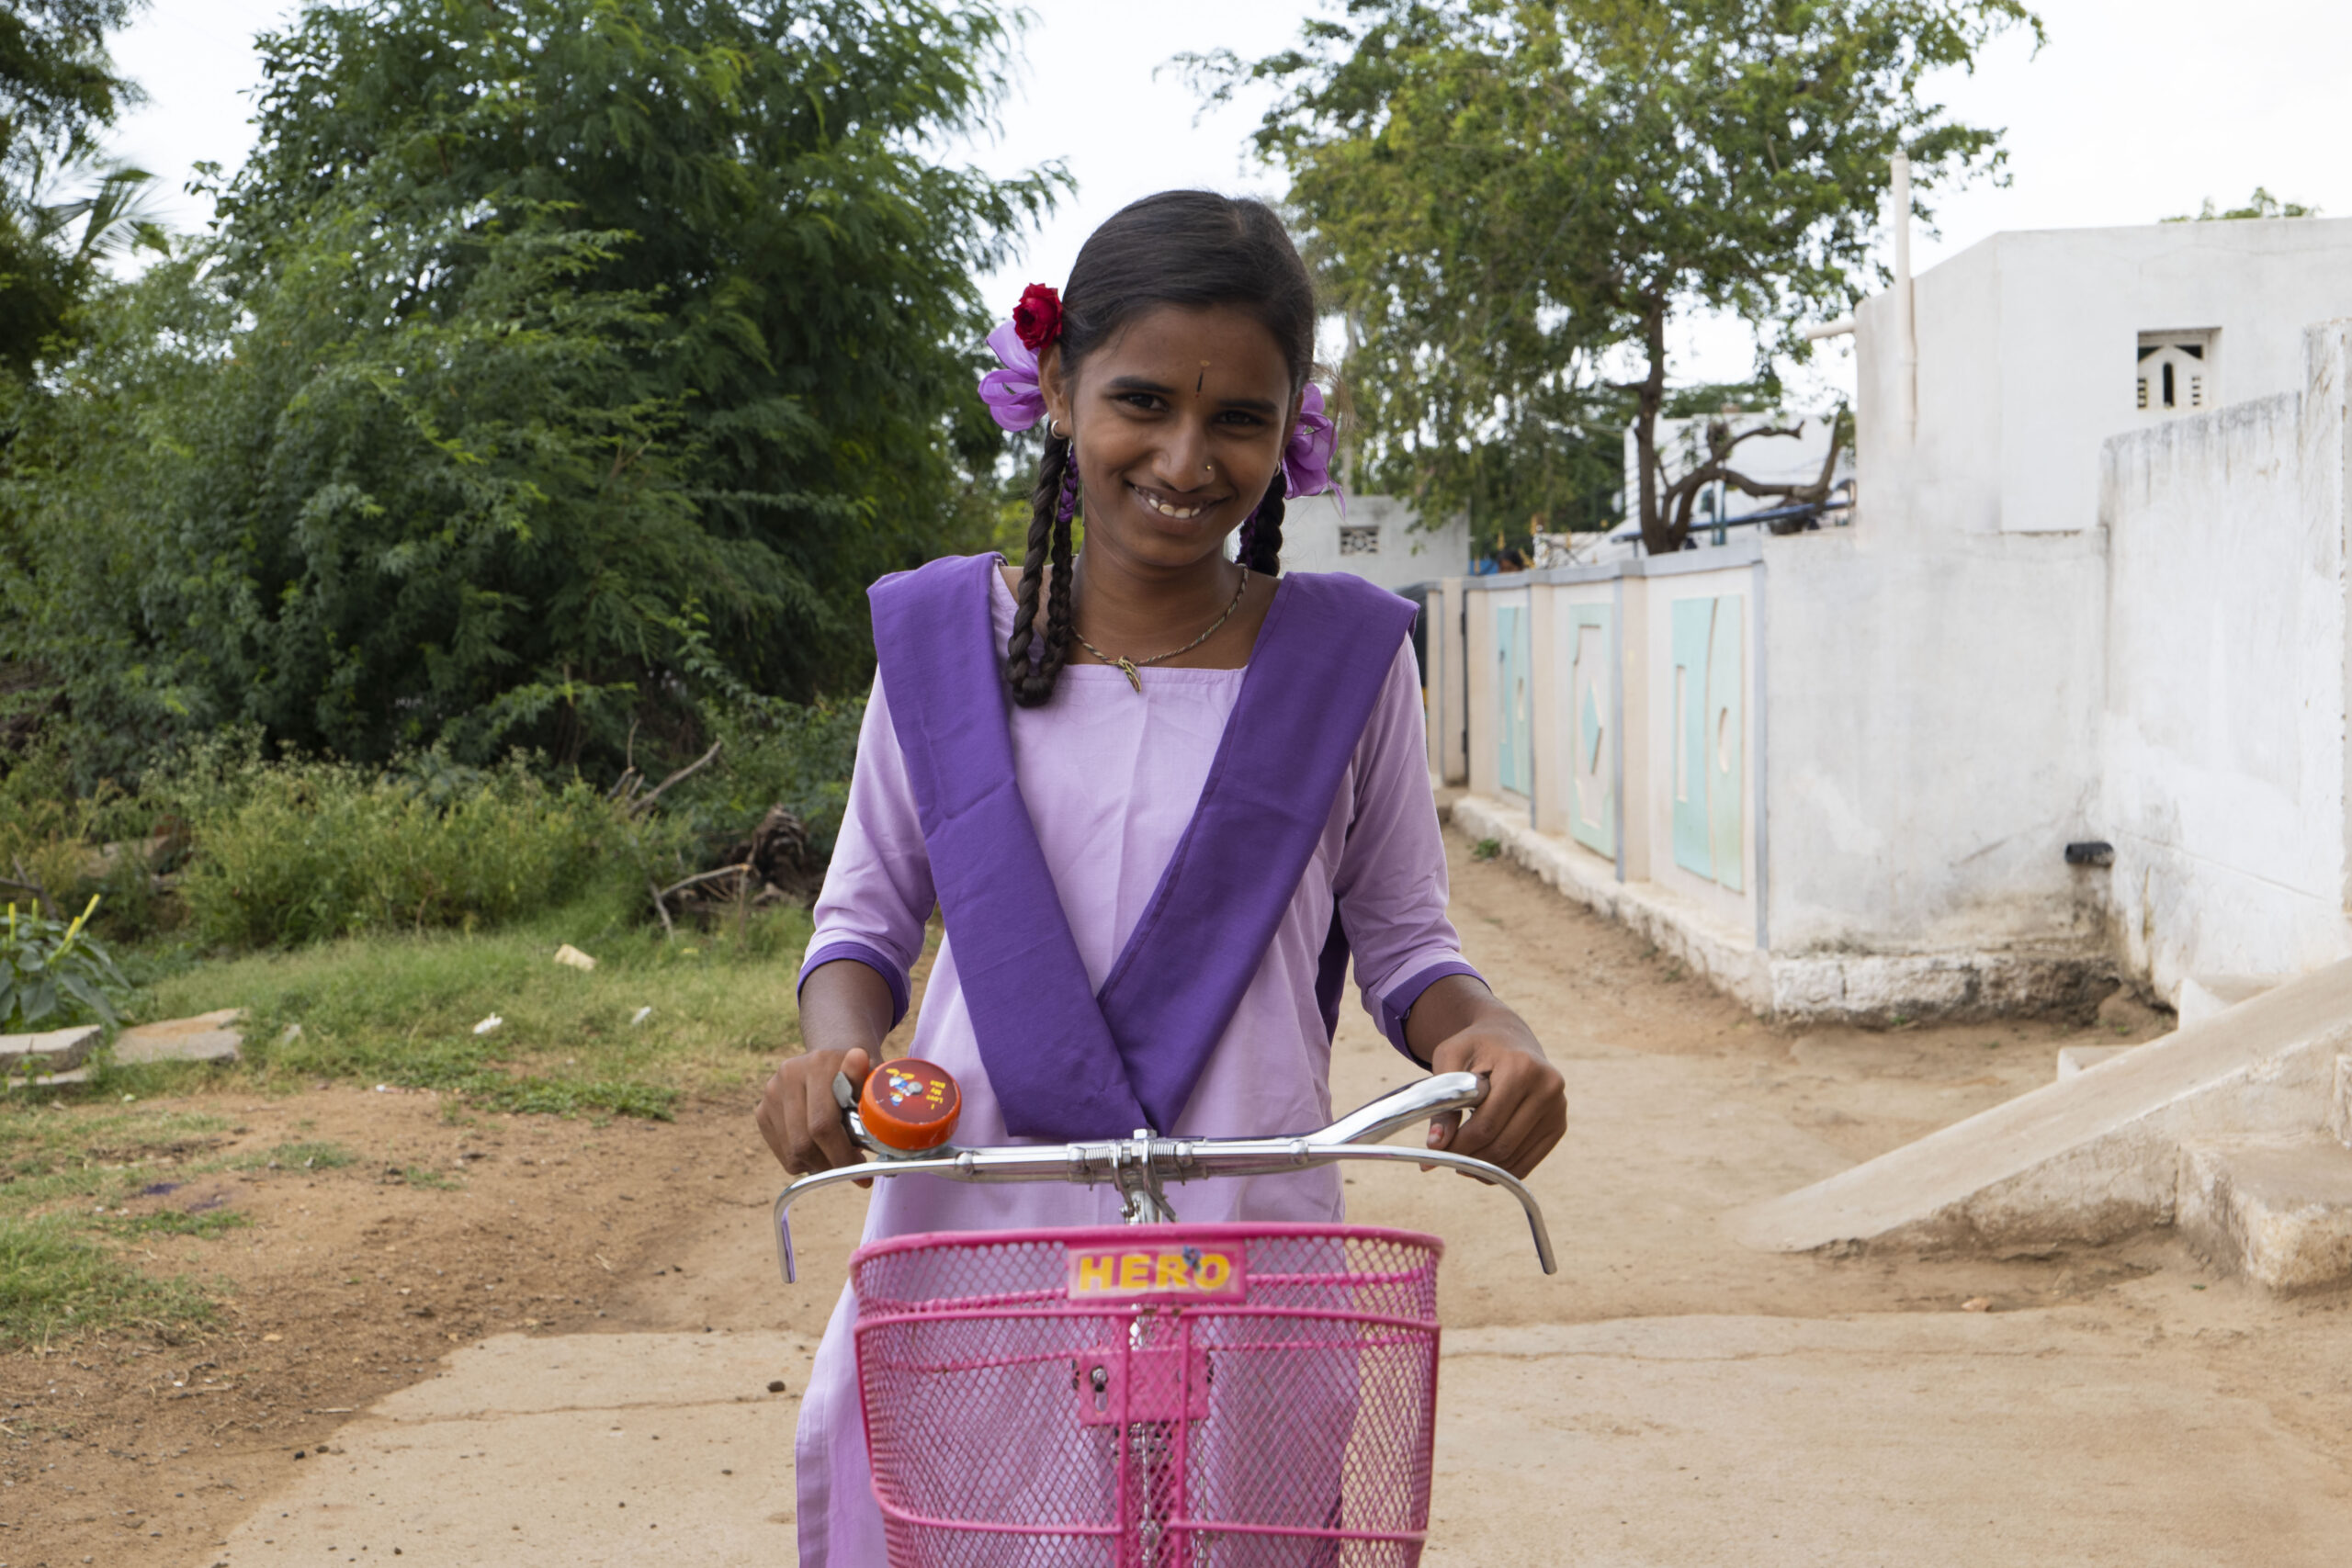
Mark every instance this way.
x=566 y=1355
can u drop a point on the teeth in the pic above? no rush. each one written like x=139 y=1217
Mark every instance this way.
x=1165 y=510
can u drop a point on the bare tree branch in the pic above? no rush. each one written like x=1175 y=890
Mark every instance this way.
x=640 y=807
x=702 y=876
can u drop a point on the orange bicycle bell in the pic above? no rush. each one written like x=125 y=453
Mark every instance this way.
x=910 y=1105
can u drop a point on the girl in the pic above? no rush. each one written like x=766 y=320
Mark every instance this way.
x=1206 y=792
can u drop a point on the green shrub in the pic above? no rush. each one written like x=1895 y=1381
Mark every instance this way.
x=318 y=849
x=53 y=973
x=780 y=753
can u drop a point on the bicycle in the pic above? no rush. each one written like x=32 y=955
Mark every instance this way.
x=1154 y=1395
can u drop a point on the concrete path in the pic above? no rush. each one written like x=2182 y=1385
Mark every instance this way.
x=1672 y=1399
x=2011 y=1438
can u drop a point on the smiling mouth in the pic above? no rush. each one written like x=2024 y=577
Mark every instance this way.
x=1167 y=508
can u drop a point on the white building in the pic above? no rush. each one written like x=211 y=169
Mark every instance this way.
x=1842 y=771
x=1376 y=538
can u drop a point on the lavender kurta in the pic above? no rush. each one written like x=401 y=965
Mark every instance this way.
x=1111 y=780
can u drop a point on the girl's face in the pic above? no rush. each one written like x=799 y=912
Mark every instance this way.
x=1179 y=419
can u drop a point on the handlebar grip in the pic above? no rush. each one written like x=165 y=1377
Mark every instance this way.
x=910 y=1105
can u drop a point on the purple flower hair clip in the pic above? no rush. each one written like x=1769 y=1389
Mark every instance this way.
x=1016 y=402
x=1013 y=397
x=1306 y=461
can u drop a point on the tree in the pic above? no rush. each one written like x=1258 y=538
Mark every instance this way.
x=2261 y=203
x=1501 y=197
x=58 y=91
x=554 y=365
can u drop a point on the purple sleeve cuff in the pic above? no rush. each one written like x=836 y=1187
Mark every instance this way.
x=1398 y=1002
x=873 y=958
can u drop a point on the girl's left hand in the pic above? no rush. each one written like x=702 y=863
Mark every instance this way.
x=1526 y=1109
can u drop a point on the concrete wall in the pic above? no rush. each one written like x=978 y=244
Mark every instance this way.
x=1444 y=686
x=2028 y=349
x=2031 y=636
x=1314 y=530
x=1934 y=709
x=2223 y=742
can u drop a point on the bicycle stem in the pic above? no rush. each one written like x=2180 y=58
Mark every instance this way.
x=1138 y=1166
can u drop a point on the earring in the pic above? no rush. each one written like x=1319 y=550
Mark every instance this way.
x=1056 y=431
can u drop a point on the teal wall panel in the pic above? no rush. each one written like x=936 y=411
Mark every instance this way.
x=1693 y=623
x=1593 y=783
x=1727 y=741
x=1517 y=743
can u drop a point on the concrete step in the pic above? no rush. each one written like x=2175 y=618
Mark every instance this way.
x=2274 y=1212
x=2201 y=996
x=208 y=1037
x=2096 y=1157
x=53 y=1051
x=2074 y=1059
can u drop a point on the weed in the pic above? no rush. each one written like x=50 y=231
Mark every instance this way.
x=1485 y=848
x=421 y=1176
x=53 y=973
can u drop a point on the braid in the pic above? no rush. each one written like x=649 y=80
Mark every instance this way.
x=1261 y=537
x=1029 y=669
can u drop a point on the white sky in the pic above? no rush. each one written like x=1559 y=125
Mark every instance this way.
x=2135 y=111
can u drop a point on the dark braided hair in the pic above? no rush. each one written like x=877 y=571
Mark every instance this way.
x=1261 y=547
x=1187 y=248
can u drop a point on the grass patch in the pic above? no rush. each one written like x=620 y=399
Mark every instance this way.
x=61 y=1169
x=303 y=1157
x=175 y=1222
x=54 y=1283
x=47 y=1155
x=1485 y=848
x=403 y=1009
x=421 y=1176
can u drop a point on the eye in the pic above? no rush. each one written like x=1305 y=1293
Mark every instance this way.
x=1143 y=402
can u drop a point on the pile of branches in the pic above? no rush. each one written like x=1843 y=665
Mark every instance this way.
x=772 y=864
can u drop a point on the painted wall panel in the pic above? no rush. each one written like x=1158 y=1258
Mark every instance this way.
x=1693 y=837
x=1517 y=750
x=1727 y=741
x=1592 y=796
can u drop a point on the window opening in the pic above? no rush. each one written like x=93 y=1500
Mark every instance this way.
x=2176 y=371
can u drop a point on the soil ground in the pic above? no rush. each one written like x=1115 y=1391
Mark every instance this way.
x=1668 y=1398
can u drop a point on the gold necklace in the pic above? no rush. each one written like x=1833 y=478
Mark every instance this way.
x=1132 y=668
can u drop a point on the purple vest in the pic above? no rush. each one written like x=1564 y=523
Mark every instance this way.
x=1067 y=1062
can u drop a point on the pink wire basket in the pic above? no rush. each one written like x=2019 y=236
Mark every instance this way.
x=1152 y=1396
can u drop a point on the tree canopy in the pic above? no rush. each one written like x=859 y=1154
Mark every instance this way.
x=552 y=367
x=1501 y=194
x=59 y=90
x=2261 y=203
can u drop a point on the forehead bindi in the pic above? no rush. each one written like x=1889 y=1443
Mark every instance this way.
x=1219 y=353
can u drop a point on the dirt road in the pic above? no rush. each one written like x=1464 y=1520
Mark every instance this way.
x=1669 y=1399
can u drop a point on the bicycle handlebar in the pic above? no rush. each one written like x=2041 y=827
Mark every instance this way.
x=1139 y=1164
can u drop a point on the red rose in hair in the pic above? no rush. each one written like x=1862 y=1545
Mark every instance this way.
x=1037 y=319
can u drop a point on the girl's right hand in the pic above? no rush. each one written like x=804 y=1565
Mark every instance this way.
x=799 y=1118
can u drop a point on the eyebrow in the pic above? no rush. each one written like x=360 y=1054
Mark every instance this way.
x=1146 y=384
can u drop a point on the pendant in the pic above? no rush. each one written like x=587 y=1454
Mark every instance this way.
x=1135 y=676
